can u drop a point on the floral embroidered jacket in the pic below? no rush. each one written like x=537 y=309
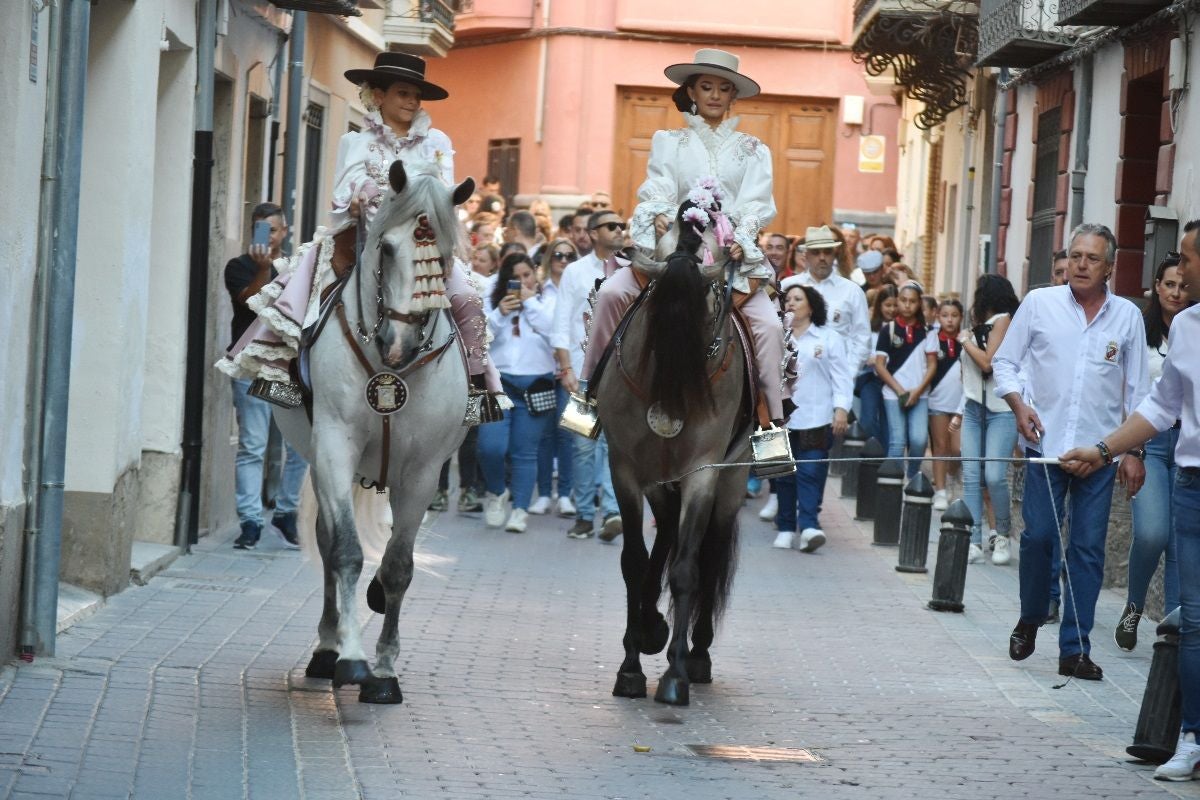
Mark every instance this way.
x=740 y=163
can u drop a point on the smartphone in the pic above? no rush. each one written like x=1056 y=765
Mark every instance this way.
x=514 y=288
x=262 y=233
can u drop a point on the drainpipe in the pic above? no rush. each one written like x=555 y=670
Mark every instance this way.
x=543 y=76
x=1083 y=132
x=291 y=141
x=968 y=216
x=187 y=508
x=58 y=224
x=1002 y=104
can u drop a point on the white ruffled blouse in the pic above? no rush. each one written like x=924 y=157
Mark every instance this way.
x=742 y=166
x=365 y=156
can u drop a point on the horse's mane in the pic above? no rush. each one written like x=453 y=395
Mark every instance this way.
x=424 y=193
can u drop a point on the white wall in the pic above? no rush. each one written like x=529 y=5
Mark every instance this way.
x=1184 y=198
x=21 y=127
x=1022 y=184
x=1100 y=187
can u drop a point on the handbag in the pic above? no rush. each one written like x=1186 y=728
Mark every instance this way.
x=541 y=397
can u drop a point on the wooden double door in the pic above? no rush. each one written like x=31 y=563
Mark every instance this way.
x=801 y=133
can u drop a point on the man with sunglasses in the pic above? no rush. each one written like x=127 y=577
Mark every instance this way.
x=606 y=233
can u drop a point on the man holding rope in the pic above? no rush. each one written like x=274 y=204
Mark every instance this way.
x=1173 y=401
x=1085 y=357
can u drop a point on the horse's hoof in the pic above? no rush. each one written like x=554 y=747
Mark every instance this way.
x=376 y=600
x=699 y=669
x=672 y=691
x=349 y=673
x=321 y=665
x=384 y=691
x=654 y=636
x=630 y=684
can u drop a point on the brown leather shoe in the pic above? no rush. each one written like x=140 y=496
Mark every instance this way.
x=1081 y=666
x=1021 y=641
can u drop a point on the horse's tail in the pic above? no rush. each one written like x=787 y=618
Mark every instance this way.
x=676 y=315
x=717 y=563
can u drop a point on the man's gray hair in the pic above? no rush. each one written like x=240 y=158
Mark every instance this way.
x=1094 y=229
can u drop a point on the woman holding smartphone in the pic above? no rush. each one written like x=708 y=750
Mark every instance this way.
x=520 y=321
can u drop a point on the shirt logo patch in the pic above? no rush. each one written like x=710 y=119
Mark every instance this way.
x=1110 y=352
x=817 y=351
x=837 y=316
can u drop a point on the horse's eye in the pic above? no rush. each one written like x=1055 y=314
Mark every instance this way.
x=388 y=248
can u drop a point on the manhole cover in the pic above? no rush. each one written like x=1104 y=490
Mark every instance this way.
x=737 y=752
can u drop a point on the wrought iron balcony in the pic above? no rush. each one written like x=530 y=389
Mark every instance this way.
x=341 y=8
x=1107 y=12
x=1020 y=33
x=930 y=45
x=423 y=27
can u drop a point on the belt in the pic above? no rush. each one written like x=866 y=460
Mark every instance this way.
x=1191 y=471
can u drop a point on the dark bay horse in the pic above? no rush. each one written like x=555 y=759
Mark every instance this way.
x=677 y=361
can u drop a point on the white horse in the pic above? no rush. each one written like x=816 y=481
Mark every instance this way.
x=391 y=323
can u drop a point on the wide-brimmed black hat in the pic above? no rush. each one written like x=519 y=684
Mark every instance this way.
x=391 y=67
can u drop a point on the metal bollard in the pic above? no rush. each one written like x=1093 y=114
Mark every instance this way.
x=950 y=574
x=914 y=524
x=864 y=507
x=1157 y=730
x=889 y=500
x=852 y=447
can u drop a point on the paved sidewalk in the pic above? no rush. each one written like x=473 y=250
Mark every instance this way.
x=193 y=686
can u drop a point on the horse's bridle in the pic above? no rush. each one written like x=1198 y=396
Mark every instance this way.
x=720 y=343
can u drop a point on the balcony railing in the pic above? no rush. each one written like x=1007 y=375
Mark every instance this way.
x=1107 y=12
x=423 y=27
x=929 y=45
x=340 y=8
x=1020 y=33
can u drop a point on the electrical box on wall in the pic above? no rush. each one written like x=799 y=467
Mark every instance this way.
x=1162 y=237
x=853 y=106
x=1177 y=66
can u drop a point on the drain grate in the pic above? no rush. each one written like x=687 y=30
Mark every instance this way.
x=737 y=752
x=209 y=587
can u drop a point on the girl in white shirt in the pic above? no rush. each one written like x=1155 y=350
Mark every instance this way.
x=520 y=321
x=905 y=360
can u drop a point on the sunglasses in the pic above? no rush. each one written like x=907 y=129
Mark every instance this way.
x=565 y=255
x=610 y=226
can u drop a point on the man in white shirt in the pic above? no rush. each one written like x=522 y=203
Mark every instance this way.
x=844 y=299
x=1084 y=354
x=606 y=230
x=1175 y=397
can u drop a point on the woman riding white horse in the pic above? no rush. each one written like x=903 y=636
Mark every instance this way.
x=709 y=154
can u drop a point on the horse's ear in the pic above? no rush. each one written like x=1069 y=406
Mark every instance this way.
x=397 y=177
x=463 y=191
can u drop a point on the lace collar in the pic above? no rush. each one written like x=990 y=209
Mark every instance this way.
x=419 y=129
x=712 y=137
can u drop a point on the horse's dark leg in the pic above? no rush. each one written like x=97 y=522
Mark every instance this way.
x=715 y=567
x=631 y=681
x=697 y=502
x=664 y=502
x=324 y=658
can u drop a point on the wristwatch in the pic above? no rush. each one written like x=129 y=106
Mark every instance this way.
x=1139 y=453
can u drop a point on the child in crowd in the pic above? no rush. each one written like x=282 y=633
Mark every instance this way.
x=906 y=361
x=945 y=394
x=868 y=388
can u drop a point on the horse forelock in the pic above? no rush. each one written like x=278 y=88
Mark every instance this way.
x=423 y=194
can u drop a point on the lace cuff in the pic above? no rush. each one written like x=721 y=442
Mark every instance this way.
x=641 y=227
x=746 y=234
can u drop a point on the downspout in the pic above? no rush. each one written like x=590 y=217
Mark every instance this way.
x=1002 y=103
x=57 y=249
x=543 y=78
x=187 y=508
x=1083 y=132
x=968 y=216
x=291 y=142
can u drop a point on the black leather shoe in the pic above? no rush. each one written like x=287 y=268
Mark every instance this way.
x=1021 y=641
x=1081 y=666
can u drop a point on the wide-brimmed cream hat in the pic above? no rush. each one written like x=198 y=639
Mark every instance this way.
x=714 y=62
x=820 y=239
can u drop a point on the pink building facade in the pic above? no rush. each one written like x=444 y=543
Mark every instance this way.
x=560 y=99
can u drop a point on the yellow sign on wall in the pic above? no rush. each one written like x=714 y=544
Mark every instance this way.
x=870 y=153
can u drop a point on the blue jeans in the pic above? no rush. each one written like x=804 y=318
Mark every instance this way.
x=1091 y=500
x=800 y=495
x=517 y=436
x=870 y=403
x=907 y=427
x=990 y=437
x=1152 y=524
x=1186 y=499
x=254 y=427
x=556 y=443
x=591 y=471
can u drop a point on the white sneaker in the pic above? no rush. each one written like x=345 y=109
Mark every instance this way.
x=1182 y=766
x=941 y=501
x=541 y=505
x=770 y=509
x=565 y=507
x=811 y=539
x=784 y=540
x=974 y=554
x=1000 y=553
x=516 y=521
x=493 y=508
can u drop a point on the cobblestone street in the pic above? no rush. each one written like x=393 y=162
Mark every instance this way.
x=193 y=685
